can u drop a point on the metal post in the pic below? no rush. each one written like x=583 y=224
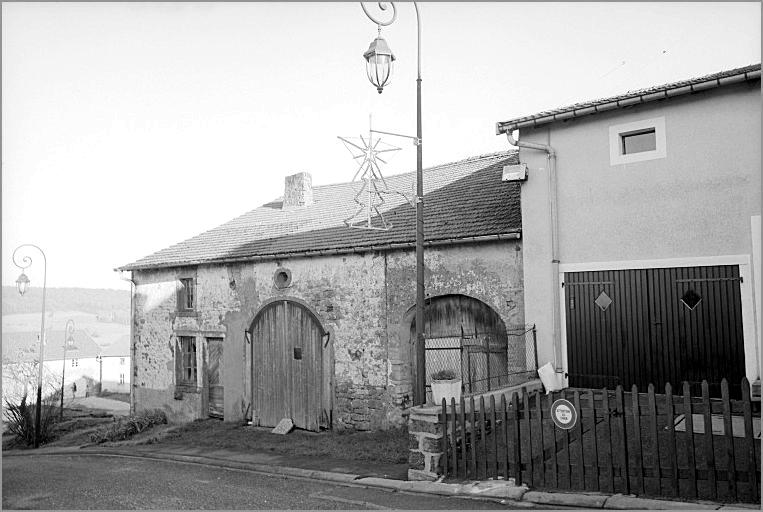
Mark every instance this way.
x=26 y=262
x=63 y=370
x=420 y=296
x=419 y=388
x=63 y=380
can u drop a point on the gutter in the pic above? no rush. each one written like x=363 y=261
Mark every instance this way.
x=552 y=196
x=502 y=127
x=516 y=235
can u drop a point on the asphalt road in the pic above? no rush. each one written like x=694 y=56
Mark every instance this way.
x=99 y=482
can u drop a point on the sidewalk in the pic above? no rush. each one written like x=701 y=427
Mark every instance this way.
x=389 y=476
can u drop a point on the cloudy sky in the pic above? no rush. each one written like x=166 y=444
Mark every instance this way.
x=128 y=127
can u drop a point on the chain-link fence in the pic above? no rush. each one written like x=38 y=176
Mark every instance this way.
x=484 y=361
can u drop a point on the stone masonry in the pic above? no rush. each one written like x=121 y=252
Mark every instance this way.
x=364 y=300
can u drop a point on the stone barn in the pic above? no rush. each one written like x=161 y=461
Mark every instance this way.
x=289 y=311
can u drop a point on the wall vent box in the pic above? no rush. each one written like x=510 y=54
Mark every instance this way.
x=514 y=172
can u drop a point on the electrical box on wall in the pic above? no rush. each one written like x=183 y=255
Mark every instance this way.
x=514 y=172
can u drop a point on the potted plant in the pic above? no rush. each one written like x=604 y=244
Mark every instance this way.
x=445 y=384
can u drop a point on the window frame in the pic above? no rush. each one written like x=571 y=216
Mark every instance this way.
x=182 y=295
x=617 y=155
x=186 y=360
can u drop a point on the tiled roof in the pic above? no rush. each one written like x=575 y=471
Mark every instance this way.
x=462 y=199
x=633 y=97
x=23 y=346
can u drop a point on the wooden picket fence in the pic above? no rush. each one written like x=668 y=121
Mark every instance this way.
x=648 y=444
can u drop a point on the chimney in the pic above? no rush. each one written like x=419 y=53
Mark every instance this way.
x=298 y=191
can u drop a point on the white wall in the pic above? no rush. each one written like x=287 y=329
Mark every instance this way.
x=696 y=202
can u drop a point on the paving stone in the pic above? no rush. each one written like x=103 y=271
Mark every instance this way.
x=565 y=498
x=495 y=489
x=418 y=474
x=622 y=502
x=284 y=427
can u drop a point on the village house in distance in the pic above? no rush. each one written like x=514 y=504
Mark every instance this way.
x=286 y=312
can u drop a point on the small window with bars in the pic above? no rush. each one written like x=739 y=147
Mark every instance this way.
x=186 y=362
x=186 y=294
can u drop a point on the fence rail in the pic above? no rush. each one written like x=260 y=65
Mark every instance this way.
x=649 y=444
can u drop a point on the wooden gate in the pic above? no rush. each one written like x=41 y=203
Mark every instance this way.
x=215 y=350
x=659 y=325
x=287 y=366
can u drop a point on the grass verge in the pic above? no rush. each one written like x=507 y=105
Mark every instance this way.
x=384 y=446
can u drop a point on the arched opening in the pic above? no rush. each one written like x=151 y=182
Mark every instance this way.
x=288 y=377
x=467 y=336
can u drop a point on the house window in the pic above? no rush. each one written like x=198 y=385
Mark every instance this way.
x=75 y=362
x=186 y=363
x=121 y=378
x=121 y=361
x=186 y=294
x=638 y=141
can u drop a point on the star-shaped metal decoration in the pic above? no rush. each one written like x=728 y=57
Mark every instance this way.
x=369 y=198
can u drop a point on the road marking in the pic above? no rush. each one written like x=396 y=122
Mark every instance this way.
x=367 y=504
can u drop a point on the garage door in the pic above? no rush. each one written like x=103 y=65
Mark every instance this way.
x=658 y=325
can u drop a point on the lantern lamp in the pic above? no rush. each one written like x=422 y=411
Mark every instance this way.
x=22 y=283
x=379 y=63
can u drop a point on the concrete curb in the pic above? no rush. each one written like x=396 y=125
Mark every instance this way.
x=487 y=490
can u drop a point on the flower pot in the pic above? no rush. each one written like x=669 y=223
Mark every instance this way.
x=446 y=389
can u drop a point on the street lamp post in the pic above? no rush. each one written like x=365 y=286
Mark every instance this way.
x=379 y=63
x=22 y=283
x=68 y=340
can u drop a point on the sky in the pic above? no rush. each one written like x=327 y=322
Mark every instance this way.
x=128 y=127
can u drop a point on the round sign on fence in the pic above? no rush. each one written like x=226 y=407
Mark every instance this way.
x=564 y=414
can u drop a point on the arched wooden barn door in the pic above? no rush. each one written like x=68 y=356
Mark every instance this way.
x=287 y=366
x=465 y=335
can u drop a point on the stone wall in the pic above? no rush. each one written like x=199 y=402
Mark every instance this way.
x=365 y=301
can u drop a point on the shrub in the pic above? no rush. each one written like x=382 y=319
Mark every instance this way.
x=21 y=419
x=447 y=374
x=128 y=427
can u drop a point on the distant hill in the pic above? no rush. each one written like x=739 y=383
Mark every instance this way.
x=108 y=305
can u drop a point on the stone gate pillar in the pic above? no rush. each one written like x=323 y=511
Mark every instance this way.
x=425 y=442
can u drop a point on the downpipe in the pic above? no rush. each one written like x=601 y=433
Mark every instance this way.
x=554 y=224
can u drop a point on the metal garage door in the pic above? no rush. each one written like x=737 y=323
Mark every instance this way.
x=658 y=325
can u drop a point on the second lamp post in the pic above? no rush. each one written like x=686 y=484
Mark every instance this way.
x=379 y=63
